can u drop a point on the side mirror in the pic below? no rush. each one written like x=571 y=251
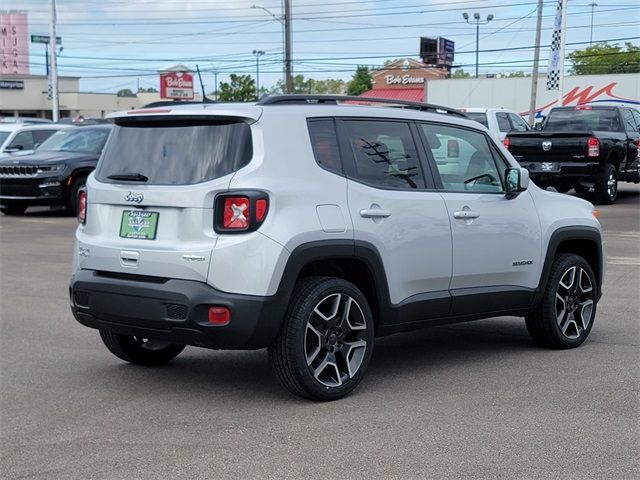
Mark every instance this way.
x=516 y=180
x=537 y=126
x=453 y=148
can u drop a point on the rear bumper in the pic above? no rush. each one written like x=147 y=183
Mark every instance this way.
x=174 y=311
x=555 y=171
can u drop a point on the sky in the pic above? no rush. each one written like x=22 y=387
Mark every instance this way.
x=116 y=44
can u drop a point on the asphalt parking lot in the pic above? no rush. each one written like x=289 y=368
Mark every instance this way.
x=476 y=400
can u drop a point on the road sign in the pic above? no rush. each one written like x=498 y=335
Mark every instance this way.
x=44 y=39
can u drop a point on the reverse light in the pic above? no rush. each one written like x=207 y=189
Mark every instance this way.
x=593 y=147
x=236 y=213
x=82 y=207
x=219 y=316
x=505 y=142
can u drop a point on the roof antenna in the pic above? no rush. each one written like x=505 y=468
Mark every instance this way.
x=204 y=95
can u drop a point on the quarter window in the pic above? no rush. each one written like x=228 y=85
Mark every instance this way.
x=629 y=121
x=384 y=154
x=464 y=159
x=325 y=144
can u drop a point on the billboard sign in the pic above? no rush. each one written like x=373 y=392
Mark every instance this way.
x=176 y=86
x=14 y=43
x=437 y=51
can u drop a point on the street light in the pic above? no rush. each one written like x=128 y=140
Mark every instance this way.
x=285 y=20
x=257 y=53
x=477 y=22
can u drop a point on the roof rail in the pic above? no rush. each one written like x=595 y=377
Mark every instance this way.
x=336 y=99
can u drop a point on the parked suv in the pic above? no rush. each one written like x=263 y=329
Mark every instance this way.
x=310 y=227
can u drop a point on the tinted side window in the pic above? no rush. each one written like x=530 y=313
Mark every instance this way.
x=22 y=139
x=636 y=118
x=325 y=144
x=464 y=159
x=519 y=125
x=503 y=122
x=40 y=136
x=383 y=153
x=629 y=122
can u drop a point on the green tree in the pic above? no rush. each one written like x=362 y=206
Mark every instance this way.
x=125 y=92
x=602 y=58
x=361 y=81
x=516 y=74
x=460 y=73
x=240 y=88
x=310 y=85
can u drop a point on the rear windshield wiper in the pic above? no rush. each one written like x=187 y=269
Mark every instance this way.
x=129 y=177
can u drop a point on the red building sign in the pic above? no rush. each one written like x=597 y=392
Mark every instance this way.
x=176 y=85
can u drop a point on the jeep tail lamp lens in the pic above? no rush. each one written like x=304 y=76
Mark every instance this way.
x=219 y=316
x=236 y=213
x=593 y=147
x=82 y=207
x=505 y=142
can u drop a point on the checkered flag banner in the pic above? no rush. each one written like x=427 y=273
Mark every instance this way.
x=553 y=70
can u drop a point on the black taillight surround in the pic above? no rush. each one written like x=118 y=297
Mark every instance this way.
x=254 y=223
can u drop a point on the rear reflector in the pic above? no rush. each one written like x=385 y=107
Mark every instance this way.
x=82 y=207
x=236 y=213
x=219 y=316
x=261 y=209
x=593 y=147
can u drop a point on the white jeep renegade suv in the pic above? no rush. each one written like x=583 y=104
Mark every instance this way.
x=310 y=226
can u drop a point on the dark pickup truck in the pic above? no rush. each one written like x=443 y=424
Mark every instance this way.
x=582 y=147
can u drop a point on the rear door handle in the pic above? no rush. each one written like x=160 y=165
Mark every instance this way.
x=466 y=214
x=374 y=213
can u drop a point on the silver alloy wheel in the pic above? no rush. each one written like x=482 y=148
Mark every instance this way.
x=148 y=344
x=612 y=185
x=334 y=344
x=574 y=302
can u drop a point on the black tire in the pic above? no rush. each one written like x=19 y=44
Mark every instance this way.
x=140 y=351
x=606 y=190
x=72 y=202
x=13 y=209
x=555 y=323
x=316 y=332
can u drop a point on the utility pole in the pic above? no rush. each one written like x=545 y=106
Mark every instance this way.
x=592 y=5
x=215 y=82
x=288 y=79
x=536 y=62
x=258 y=53
x=53 y=64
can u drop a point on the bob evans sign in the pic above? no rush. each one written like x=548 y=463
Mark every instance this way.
x=403 y=80
x=176 y=85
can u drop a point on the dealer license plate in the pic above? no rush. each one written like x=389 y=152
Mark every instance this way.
x=139 y=224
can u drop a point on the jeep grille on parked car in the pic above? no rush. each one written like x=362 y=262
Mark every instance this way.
x=15 y=170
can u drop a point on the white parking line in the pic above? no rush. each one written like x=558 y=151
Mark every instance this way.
x=622 y=234
x=623 y=260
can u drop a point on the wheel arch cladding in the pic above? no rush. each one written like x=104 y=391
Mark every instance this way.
x=358 y=263
x=583 y=241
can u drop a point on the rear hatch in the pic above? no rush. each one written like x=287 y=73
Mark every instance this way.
x=150 y=204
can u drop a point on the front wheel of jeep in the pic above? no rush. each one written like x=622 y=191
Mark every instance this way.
x=566 y=313
x=326 y=341
x=139 y=350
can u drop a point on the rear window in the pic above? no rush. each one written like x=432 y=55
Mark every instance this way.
x=478 y=117
x=176 y=152
x=576 y=120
